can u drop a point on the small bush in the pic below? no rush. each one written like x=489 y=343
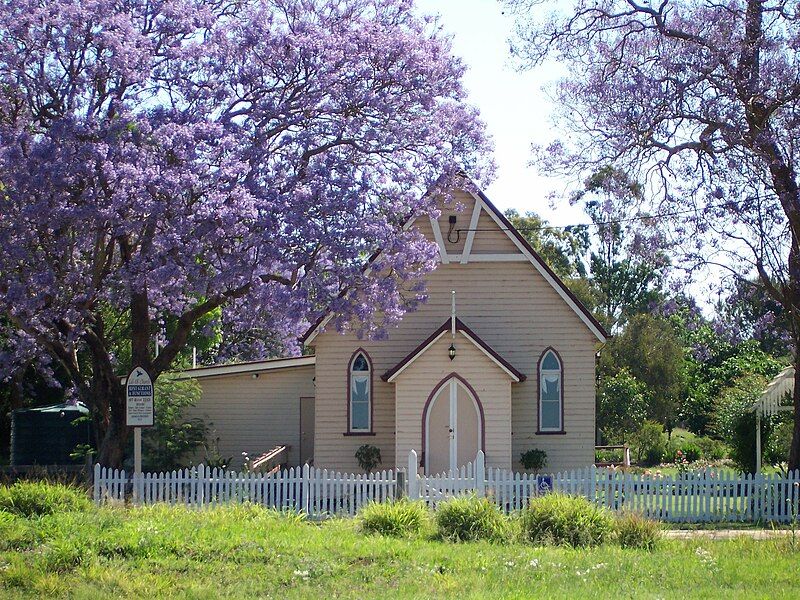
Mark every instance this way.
x=533 y=459
x=34 y=498
x=368 y=457
x=649 y=443
x=635 y=531
x=711 y=449
x=394 y=518
x=691 y=451
x=566 y=520
x=469 y=518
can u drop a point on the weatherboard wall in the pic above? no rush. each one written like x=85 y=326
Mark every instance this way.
x=512 y=308
x=254 y=415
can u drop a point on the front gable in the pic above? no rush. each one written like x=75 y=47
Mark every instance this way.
x=480 y=234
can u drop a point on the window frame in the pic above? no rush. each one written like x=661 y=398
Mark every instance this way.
x=540 y=430
x=370 y=391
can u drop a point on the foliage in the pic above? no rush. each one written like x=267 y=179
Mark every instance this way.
x=753 y=314
x=710 y=449
x=165 y=446
x=632 y=530
x=162 y=162
x=36 y=498
x=566 y=520
x=213 y=458
x=608 y=456
x=397 y=518
x=561 y=249
x=368 y=457
x=627 y=268
x=679 y=449
x=715 y=359
x=469 y=518
x=621 y=405
x=776 y=449
x=534 y=459
x=735 y=420
x=699 y=99
x=651 y=351
x=649 y=444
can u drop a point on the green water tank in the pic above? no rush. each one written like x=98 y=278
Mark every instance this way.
x=47 y=435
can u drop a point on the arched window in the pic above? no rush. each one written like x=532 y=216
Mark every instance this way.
x=551 y=393
x=360 y=393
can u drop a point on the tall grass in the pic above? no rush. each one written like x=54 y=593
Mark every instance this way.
x=394 y=518
x=36 y=498
x=566 y=520
x=632 y=530
x=469 y=518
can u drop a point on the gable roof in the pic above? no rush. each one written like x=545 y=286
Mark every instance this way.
x=473 y=337
x=583 y=313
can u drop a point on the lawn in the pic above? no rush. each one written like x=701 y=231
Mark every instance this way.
x=247 y=552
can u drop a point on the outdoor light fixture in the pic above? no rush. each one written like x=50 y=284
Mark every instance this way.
x=451 y=351
x=254 y=376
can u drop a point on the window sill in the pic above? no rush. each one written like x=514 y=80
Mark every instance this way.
x=358 y=433
x=562 y=432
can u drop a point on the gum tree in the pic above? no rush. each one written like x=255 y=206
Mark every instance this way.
x=163 y=160
x=700 y=100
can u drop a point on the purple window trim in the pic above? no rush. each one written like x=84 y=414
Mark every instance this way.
x=350 y=431
x=539 y=430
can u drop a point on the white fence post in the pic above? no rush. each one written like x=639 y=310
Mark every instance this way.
x=480 y=474
x=413 y=484
x=96 y=483
x=306 y=488
x=200 y=487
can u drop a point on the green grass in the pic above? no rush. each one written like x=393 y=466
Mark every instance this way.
x=248 y=552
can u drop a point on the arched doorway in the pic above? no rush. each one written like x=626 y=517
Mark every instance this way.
x=452 y=426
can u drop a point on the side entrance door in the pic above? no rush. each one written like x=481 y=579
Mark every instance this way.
x=453 y=428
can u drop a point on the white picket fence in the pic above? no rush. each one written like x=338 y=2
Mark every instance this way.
x=306 y=489
x=704 y=496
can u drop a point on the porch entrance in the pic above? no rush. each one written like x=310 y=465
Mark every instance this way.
x=453 y=427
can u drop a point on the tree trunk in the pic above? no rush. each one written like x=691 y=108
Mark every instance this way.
x=115 y=438
x=107 y=401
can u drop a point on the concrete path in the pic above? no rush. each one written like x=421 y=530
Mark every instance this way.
x=726 y=534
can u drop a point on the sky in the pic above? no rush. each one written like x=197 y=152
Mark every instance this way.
x=513 y=105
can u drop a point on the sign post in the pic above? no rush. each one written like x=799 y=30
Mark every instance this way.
x=139 y=410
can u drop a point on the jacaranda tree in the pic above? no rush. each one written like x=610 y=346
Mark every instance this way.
x=701 y=101
x=161 y=160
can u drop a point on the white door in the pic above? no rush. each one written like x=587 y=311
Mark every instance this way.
x=452 y=428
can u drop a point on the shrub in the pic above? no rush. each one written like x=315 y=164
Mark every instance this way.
x=394 y=518
x=735 y=421
x=608 y=456
x=635 y=531
x=368 y=457
x=691 y=451
x=649 y=443
x=533 y=459
x=469 y=518
x=29 y=498
x=711 y=449
x=566 y=520
x=779 y=442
